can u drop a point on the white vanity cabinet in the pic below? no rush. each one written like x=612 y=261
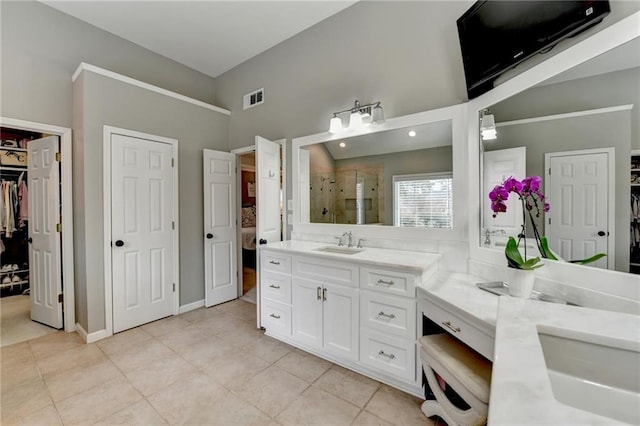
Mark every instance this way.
x=388 y=321
x=356 y=312
x=325 y=306
x=275 y=291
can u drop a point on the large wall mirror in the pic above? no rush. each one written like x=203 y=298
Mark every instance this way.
x=401 y=174
x=580 y=131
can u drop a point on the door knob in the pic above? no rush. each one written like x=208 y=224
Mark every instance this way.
x=119 y=243
x=30 y=240
x=262 y=241
x=209 y=236
x=602 y=233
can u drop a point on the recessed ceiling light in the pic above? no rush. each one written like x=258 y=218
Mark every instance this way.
x=412 y=133
x=342 y=144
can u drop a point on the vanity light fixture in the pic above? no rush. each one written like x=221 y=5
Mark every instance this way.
x=488 y=126
x=412 y=133
x=359 y=116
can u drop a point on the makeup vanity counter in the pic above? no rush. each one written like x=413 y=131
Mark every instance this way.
x=581 y=345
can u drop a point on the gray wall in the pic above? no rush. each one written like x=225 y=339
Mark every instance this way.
x=42 y=47
x=405 y=54
x=579 y=133
x=605 y=90
x=104 y=101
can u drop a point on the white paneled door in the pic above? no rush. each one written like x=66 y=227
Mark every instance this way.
x=45 y=280
x=498 y=165
x=269 y=218
x=142 y=222
x=220 y=267
x=578 y=191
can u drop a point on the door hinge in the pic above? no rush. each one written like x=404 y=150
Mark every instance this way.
x=549 y=221
x=58 y=157
x=173 y=225
x=549 y=171
x=58 y=227
x=60 y=298
x=174 y=287
x=173 y=162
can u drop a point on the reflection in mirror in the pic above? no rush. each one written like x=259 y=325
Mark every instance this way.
x=579 y=131
x=401 y=176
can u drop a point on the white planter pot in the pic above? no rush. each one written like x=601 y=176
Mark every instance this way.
x=520 y=282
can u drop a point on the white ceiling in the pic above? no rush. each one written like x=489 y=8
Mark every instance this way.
x=209 y=36
x=430 y=135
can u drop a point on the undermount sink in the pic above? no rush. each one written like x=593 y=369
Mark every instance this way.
x=594 y=374
x=339 y=250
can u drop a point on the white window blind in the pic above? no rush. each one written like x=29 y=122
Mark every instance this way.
x=423 y=200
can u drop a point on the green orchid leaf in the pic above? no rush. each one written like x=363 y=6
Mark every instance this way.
x=532 y=263
x=514 y=258
x=593 y=258
x=546 y=251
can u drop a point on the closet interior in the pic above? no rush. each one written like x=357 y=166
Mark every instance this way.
x=634 y=254
x=248 y=197
x=14 y=211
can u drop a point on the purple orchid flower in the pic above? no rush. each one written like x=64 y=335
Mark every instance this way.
x=512 y=184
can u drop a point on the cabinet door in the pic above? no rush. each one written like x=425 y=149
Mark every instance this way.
x=307 y=312
x=340 y=320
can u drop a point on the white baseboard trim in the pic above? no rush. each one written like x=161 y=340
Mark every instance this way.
x=191 y=306
x=90 y=337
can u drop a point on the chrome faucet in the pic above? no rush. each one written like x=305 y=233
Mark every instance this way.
x=487 y=235
x=349 y=236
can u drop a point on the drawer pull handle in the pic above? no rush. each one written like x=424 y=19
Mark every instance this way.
x=319 y=293
x=274 y=286
x=451 y=327
x=390 y=356
x=274 y=316
x=385 y=282
x=390 y=316
x=273 y=262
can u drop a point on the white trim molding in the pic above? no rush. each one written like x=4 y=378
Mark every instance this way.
x=68 y=271
x=191 y=306
x=91 y=337
x=106 y=185
x=123 y=78
x=565 y=115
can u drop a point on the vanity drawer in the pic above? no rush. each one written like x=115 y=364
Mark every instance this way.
x=275 y=262
x=390 y=314
x=388 y=281
x=393 y=355
x=276 y=287
x=276 y=317
x=460 y=329
x=326 y=271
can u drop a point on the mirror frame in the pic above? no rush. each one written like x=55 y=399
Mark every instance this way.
x=618 y=283
x=457 y=115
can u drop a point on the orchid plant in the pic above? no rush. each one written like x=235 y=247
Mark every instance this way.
x=533 y=204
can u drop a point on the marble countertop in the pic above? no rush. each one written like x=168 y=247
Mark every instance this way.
x=418 y=261
x=520 y=387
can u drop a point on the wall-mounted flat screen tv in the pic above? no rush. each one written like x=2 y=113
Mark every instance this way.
x=497 y=35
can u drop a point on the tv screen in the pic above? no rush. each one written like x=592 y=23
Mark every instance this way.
x=497 y=35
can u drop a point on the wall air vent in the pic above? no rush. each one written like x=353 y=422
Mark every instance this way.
x=252 y=99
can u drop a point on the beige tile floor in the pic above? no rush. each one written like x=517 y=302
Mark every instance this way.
x=206 y=367
x=15 y=321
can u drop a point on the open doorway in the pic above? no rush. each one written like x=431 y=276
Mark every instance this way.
x=247 y=189
x=27 y=251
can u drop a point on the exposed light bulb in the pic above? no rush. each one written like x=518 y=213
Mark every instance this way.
x=412 y=133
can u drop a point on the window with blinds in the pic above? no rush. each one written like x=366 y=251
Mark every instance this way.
x=423 y=200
